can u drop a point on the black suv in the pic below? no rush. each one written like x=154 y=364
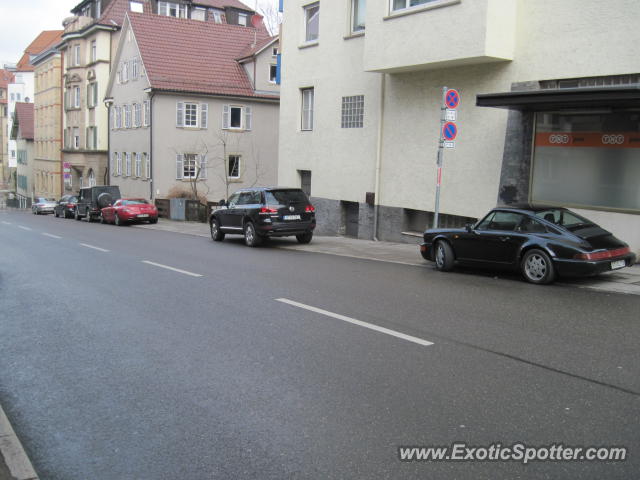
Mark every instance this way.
x=259 y=213
x=92 y=200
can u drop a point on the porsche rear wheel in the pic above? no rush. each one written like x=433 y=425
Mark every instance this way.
x=537 y=267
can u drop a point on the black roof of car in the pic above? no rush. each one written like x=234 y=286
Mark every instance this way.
x=526 y=207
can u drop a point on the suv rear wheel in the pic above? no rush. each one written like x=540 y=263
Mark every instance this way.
x=251 y=237
x=77 y=215
x=304 y=237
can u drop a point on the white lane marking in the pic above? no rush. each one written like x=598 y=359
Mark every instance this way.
x=184 y=272
x=24 y=228
x=360 y=323
x=51 y=235
x=93 y=247
x=6 y=223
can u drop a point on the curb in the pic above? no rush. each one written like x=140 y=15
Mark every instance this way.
x=11 y=450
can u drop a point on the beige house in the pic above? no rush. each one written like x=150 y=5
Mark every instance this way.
x=361 y=109
x=90 y=37
x=47 y=167
x=202 y=121
x=22 y=134
x=6 y=77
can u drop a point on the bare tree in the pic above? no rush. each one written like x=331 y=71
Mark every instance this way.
x=272 y=17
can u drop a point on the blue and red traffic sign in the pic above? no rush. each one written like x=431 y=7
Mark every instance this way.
x=452 y=98
x=449 y=131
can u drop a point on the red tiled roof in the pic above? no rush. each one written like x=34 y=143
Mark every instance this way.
x=24 y=115
x=196 y=57
x=253 y=49
x=114 y=12
x=43 y=42
x=6 y=77
x=223 y=3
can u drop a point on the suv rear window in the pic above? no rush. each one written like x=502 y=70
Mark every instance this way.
x=285 y=197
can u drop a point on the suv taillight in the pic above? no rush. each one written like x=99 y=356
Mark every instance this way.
x=310 y=209
x=268 y=210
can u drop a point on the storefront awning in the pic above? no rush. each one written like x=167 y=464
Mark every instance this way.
x=627 y=96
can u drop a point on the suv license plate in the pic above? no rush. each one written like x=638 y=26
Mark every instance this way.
x=618 y=264
x=291 y=217
x=143 y=215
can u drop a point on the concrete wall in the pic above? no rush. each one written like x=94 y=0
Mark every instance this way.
x=547 y=39
x=258 y=148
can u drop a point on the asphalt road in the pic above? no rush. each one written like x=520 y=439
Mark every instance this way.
x=111 y=368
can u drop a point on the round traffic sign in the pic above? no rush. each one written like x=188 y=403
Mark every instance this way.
x=452 y=98
x=449 y=131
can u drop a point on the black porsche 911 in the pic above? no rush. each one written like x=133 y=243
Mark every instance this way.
x=542 y=242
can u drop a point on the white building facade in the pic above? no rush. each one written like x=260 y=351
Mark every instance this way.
x=361 y=106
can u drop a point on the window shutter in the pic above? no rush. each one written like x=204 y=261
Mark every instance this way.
x=203 y=167
x=225 y=117
x=89 y=96
x=87 y=139
x=179 y=167
x=180 y=114
x=204 y=115
x=248 y=118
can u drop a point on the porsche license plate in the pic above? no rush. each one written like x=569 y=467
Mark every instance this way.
x=291 y=217
x=617 y=264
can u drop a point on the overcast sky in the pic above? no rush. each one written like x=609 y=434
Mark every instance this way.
x=22 y=20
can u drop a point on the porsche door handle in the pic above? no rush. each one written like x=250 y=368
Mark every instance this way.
x=505 y=239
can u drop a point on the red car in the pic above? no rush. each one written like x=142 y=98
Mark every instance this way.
x=130 y=210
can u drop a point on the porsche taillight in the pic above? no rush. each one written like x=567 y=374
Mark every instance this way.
x=602 y=255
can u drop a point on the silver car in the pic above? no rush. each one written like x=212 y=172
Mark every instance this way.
x=42 y=205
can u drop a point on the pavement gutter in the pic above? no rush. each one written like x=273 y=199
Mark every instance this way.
x=14 y=462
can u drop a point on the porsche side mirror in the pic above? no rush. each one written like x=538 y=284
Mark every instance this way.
x=222 y=203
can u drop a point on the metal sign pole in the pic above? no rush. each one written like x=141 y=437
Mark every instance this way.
x=443 y=110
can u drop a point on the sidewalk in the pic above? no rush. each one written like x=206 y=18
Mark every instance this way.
x=626 y=280
x=14 y=463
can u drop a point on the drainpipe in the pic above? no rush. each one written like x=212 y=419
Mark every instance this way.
x=376 y=208
x=150 y=156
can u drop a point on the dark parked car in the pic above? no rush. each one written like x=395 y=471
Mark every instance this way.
x=42 y=205
x=541 y=242
x=92 y=200
x=130 y=210
x=66 y=206
x=259 y=213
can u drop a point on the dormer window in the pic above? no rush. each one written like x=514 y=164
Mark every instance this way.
x=170 y=9
x=136 y=7
x=216 y=15
x=242 y=19
x=198 y=14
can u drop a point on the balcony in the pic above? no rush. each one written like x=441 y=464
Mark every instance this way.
x=75 y=24
x=439 y=34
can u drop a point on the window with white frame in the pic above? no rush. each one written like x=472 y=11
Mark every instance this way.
x=191 y=166
x=94 y=50
x=76 y=97
x=127 y=157
x=233 y=167
x=274 y=52
x=147 y=166
x=312 y=22
x=76 y=55
x=91 y=140
x=242 y=19
x=114 y=163
x=136 y=7
x=125 y=72
x=135 y=63
x=353 y=111
x=92 y=95
x=127 y=116
x=273 y=73
x=147 y=113
x=307 y=108
x=138 y=169
x=199 y=13
x=358 y=12
x=118 y=123
x=192 y=115
x=217 y=16
x=76 y=137
x=404 y=4
x=119 y=165
x=237 y=117
x=170 y=9
x=137 y=115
